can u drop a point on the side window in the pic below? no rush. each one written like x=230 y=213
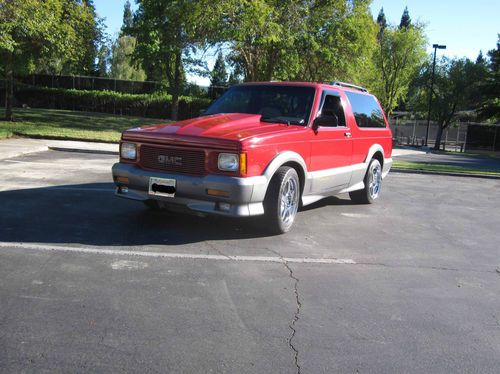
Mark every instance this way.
x=332 y=106
x=366 y=110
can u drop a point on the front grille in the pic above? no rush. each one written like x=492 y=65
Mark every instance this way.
x=174 y=160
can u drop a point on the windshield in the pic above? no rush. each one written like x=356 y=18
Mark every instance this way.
x=276 y=103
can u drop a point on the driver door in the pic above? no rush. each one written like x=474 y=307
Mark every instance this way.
x=331 y=146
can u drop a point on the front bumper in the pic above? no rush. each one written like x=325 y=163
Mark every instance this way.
x=245 y=195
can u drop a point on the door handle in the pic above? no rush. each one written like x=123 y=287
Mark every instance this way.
x=347 y=134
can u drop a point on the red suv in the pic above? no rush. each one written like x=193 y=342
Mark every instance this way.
x=261 y=149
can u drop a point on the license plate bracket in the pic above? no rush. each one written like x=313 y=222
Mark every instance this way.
x=162 y=187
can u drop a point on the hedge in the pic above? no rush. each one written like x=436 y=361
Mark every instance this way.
x=157 y=105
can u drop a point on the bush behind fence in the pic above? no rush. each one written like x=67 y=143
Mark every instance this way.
x=157 y=105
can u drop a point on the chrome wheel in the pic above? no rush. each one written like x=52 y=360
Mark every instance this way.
x=375 y=177
x=372 y=182
x=282 y=200
x=289 y=201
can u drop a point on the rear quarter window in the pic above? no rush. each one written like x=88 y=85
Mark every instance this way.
x=366 y=110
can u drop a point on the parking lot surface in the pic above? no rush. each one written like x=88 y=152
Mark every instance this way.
x=93 y=283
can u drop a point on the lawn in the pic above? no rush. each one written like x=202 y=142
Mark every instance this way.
x=443 y=168
x=65 y=124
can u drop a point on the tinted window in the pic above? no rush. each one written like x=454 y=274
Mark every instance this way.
x=279 y=102
x=332 y=106
x=366 y=110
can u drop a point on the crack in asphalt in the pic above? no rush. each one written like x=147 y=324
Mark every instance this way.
x=296 y=317
x=212 y=246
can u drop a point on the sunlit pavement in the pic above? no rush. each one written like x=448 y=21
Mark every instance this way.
x=90 y=282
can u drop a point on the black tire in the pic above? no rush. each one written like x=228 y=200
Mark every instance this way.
x=282 y=200
x=373 y=183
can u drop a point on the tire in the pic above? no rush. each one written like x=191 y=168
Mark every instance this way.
x=282 y=200
x=373 y=183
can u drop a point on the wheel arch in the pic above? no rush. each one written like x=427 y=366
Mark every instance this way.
x=376 y=151
x=291 y=159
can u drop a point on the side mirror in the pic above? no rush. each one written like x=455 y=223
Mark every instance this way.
x=326 y=121
x=202 y=112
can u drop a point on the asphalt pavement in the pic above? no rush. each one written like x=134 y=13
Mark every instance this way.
x=93 y=283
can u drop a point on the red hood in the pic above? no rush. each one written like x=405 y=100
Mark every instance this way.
x=225 y=127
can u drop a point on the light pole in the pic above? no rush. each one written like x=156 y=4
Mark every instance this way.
x=436 y=47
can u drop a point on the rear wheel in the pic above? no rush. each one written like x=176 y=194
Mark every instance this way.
x=373 y=182
x=282 y=200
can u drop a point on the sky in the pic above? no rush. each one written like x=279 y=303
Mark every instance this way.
x=465 y=27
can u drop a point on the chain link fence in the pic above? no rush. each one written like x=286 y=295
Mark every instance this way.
x=459 y=137
x=89 y=83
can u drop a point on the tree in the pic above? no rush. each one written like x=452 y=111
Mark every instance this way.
x=103 y=57
x=405 y=20
x=455 y=82
x=218 y=76
x=298 y=39
x=382 y=23
x=489 y=108
x=31 y=29
x=166 y=32
x=480 y=58
x=128 y=18
x=122 y=66
x=398 y=58
x=338 y=42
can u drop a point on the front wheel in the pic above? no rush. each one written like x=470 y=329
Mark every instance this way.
x=282 y=200
x=373 y=182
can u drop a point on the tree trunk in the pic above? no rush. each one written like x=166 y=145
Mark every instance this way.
x=176 y=86
x=9 y=86
x=439 y=135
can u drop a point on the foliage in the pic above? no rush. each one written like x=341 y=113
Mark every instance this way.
x=218 y=76
x=489 y=108
x=455 y=84
x=398 y=58
x=339 y=42
x=155 y=105
x=382 y=23
x=103 y=59
x=297 y=39
x=405 y=20
x=166 y=33
x=122 y=65
x=128 y=18
x=48 y=30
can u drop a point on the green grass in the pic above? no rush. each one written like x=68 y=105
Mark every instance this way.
x=441 y=168
x=65 y=124
x=481 y=154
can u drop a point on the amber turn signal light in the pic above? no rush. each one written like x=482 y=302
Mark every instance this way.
x=123 y=180
x=243 y=163
x=219 y=193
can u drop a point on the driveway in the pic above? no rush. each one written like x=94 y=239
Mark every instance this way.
x=93 y=283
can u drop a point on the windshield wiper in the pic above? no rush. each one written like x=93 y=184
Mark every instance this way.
x=281 y=120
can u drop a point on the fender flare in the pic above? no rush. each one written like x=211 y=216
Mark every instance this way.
x=283 y=158
x=280 y=159
x=374 y=149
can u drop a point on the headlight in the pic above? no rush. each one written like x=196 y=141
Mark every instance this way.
x=128 y=151
x=229 y=162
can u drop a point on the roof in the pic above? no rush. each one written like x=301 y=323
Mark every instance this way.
x=337 y=85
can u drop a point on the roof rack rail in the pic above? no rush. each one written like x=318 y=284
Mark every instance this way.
x=349 y=85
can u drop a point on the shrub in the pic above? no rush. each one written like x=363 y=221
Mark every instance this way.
x=156 y=105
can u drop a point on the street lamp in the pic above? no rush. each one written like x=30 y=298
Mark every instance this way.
x=436 y=47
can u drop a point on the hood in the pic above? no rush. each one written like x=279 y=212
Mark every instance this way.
x=227 y=127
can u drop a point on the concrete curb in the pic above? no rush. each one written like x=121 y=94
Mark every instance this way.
x=78 y=150
x=409 y=171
